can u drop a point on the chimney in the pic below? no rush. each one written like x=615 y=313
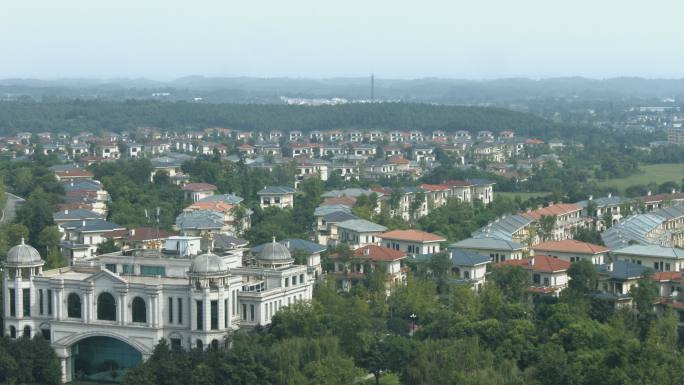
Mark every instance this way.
x=132 y=232
x=530 y=261
x=366 y=251
x=610 y=194
x=648 y=193
x=674 y=191
x=83 y=222
x=591 y=197
x=66 y=211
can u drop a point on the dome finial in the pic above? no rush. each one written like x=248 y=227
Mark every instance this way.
x=274 y=241
x=22 y=240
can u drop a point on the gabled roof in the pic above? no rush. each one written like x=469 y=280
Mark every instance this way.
x=74 y=215
x=379 y=253
x=571 y=246
x=229 y=199
x=621 y=270
x=361 y=226
x=541 y=263
x=98 y=225
x=488 y=244
x=346 y=201
x=637 y=228
x=200 y=220
x=348 y=192
x=461 y=257
x=276 y=190
x=296 y=244
x=74 y=173
x=338 y=216
x=434 y=187
x=228 y=242
x=412 y=236
x=651 y=251
x=556 y=209
x=327 y=209
x=199 y=187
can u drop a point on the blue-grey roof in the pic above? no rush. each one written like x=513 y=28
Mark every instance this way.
x=74 y=215
x=82 y=184
x=410 y=190
x=228 y=242
x=230 y=199
x=98 y=225
x=621 y=270
x=670 y=212
x=480 y=182
x=63 y=167
x=460 y=257
x=604 y=201
x=503 y=228
x=202 y=219
x=338 y=216
x=294 y=244
x=268 y=190
x=638 y=229
x=651 y=251
x=327 y=209
x=488 y=244
x=361 y=226
x=166 y=161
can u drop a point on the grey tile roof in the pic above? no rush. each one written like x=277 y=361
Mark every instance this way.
x=361 y=226
x=228 y=242
x=461 y=257
x=488 y=243
x=83 y=184
x=621 y=270
x=651 y=251
x=98 y=225
x=604 y=201
x=327 y=209
x=267 y=190
x=202 y=219
x=338 y=216
x=348 y=192
x=635 y=228
x=503 y=227
x=230 y=199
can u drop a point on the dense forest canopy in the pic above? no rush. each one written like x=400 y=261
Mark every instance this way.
x=78 y=115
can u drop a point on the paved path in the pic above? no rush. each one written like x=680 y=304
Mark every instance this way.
x=10 y=210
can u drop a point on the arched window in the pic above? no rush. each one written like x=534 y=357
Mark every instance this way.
x=139 y=310
x=27 y=331
x=13 y=332
x=106 y=307
x=74 y=306
x=199 y=344
x=214 y=344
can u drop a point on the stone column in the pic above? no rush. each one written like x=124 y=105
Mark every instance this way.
x=58 y=310
x=123 y=301
x=18 y=298
x=88 y=306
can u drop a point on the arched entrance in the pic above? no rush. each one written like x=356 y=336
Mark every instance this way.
x=101 y=358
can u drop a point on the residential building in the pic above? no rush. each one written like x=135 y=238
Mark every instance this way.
x=412 y=242
x=572 y=251
x=358 y=233
x=547 y=275
x=364 y=260
x=276 y=196
x=498 y=250
x=198 y=191
x=469 y=267
x=659 y=258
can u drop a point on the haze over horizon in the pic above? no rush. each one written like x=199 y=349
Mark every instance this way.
x=165 y=40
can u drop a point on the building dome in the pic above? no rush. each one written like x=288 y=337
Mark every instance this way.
x=275 y=253
x=23 y=254
x=207 y=264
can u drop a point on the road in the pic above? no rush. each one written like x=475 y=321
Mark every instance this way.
x=10 y=210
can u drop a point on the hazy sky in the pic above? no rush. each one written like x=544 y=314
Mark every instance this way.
x=475 y=39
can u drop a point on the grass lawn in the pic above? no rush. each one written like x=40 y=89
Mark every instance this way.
x=523 y=195
x=656 y=173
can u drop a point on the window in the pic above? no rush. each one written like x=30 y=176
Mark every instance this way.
x=214 y=315
x=244 y=312
x=180 y=311
x=26 y=293
x=536 y=279
x=200 y=315
x=27 y=331
x=287 y=281
x=294 y=280
x=139 y=310
x=170 y=310
x=176 y=344
x=234 y=301
x=74 y=306
x=13 y=303
x=13 y=332
x=111 y=267
x=667 y=267
x=251 y=312
x=106 y=307
x=301 y=278
x=546 y=282
x=46 y=334
x=225 y=313
x=127 y=269
x=153 y=270
x=466 y=274
x=49 y=307
x=40 y=301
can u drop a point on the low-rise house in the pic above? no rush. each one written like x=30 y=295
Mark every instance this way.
x=498 y=250
x=295 y=135
x=567 y=218
x=82 y=239
x=246 y=149
x=276 y=196
x=138 y=238
x=67 y=216
x=437 y=194
x=200 y=223
x=572 y=251
x=657 y=201
x=412 y=242
x=359 y=232
x=135 y=150
x=469 y=267
x=659 y=258
x=73 y=174
x=326 y=219
x=198 y=191
x=516 y=228
x=548 y=275
x=364 y=260
x=108 y=151
x=601 y=208
x=616 y=279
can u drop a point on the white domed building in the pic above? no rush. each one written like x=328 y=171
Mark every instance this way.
x=106 y=314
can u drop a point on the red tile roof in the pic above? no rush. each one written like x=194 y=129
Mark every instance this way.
x=199 y=187
x=662 y=197
x=413 y=236
x=571 y=246
x=556 y=209
x=434 y=187
x=541 y=263
x=399 y=160
x=668 y=276
x=457 y=183
x=75 y=173
x=346 y=201
x=378 y=253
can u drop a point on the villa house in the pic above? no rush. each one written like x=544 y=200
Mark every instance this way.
x=547 y=275
x=412 y=242
x=469 y=267
x=498 y=250
x=349 y=272
x=359 y=232
x=572 y=251
x=197 y=191
x=659 y=258
x=276 y=196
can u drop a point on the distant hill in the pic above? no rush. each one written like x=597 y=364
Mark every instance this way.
x=269 y=90
x=76 y=116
